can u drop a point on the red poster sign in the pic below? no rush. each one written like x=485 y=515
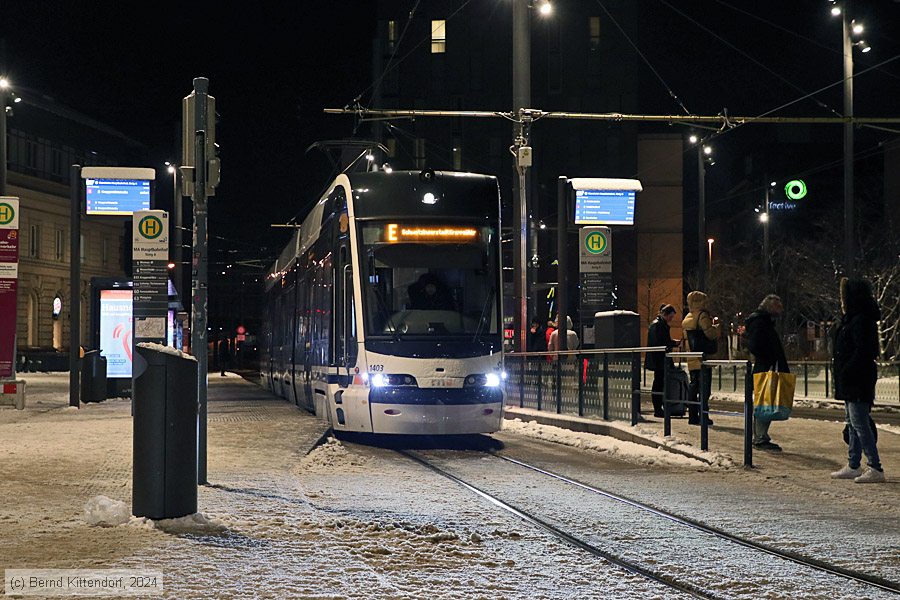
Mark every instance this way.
x=9 y=272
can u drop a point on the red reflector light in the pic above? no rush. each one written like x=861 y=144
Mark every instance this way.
x=9 y=388
x=392 y=412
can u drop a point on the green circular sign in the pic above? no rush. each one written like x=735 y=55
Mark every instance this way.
x=595 y=242
x=7 y=213
x=795 y=189
x=150 y=227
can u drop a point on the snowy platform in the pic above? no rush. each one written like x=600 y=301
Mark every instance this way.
x=355 y=520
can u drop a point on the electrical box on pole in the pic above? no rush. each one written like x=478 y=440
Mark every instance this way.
x=188 y=160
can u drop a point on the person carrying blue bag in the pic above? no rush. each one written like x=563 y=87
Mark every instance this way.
x=855 y=374
x=765 y=345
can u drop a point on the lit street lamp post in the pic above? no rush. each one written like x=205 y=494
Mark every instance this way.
x=848 y=28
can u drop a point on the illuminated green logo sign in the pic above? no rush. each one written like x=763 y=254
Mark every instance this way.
x=795 y=189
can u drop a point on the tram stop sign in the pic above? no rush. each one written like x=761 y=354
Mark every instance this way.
x=595 y=250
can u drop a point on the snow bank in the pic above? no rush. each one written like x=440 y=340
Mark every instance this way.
x=627 y=451
x=889 y=428
x=197 y=523
x=106 y=512
x=331 y=457
x=166 y=350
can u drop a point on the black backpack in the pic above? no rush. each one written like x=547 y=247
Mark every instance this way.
x=699 y=342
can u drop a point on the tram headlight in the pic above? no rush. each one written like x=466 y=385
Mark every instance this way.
x=486 y=380
x=378 y=380
x=381 y=380
x=492 y=380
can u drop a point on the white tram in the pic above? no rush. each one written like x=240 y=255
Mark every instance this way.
x=383 y=313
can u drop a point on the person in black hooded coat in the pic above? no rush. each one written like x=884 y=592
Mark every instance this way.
x=855 y=373
x=764 y=344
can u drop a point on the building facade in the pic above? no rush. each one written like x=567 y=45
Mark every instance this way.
x=44 y=140
x=447 y=55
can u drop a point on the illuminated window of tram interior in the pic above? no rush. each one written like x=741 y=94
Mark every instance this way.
x=391 y=35
x=430 y=280
x=438 y=37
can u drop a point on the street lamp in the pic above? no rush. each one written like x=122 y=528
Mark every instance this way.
x=848 y=28
x=710 y=241
x=178 y=230
x=704 y=155
x=4 y=94
x=521 y=80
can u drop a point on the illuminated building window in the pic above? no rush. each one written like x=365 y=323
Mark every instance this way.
x=438 y=37
x=391 y=35
x=594 y=27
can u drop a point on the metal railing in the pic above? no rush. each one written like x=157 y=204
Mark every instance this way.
x=607 y=383
x=814 y=379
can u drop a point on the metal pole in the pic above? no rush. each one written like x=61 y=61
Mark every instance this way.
x=74 y=284
x=849 y=259
x=766 y=235
x=199 y=267
x=521 y=99
x=562 y=268
x=748 y=415
x=704 y=407
x=667 y=416
x=178 y=237
x=701 y=218
x=606 y=387
x=3 y=97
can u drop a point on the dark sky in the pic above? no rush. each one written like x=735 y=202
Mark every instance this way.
x=273 y=66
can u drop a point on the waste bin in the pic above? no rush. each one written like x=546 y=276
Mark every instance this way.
x=617 y=329
x=165 y=433
x=93 y=377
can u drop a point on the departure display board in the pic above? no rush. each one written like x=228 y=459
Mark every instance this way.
x=116 y=196
x=604 y=207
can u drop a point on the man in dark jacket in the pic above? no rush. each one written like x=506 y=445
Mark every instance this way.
x=658 y=334
x=764 y=343
x=537 y=337
x=855 y=374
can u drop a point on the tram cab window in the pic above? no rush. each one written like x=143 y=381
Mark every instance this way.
x=429 y=288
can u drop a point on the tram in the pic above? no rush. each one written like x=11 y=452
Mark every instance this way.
x=383 y=313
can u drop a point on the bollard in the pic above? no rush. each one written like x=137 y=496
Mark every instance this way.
x=748 y=416
x=606 y=387
x=704 y=407
x=165 y=434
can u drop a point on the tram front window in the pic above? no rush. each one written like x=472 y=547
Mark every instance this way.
x=429 y=280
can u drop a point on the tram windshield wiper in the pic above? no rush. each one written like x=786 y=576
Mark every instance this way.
x=482 y=320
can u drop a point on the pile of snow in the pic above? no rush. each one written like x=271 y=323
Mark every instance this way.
x=197 y=523
x=628 y=451
x=106 y=512
x=889 y=428
x=330 y=457
x=166 y=350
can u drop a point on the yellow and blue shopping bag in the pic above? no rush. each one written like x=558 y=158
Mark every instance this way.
x=773 y=395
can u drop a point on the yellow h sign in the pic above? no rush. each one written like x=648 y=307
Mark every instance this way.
x=595 y=242
x=150 y=227
x=7 y=213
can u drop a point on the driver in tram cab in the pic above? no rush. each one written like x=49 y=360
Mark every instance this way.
x=430 y=293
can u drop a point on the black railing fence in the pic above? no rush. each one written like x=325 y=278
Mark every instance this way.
x=607 y=384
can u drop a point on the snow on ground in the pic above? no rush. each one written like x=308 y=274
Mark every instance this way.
x=627 y=451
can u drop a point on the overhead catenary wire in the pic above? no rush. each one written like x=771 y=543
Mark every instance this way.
x=647 y=62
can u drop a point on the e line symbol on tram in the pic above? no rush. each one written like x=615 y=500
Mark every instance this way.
x=150 y=227
x=7 y=213
x=595 y=242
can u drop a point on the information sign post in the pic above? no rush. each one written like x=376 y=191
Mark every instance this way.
x=9 y=276
x=150 y=238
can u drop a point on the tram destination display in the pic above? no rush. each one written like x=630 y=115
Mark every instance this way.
x=116 y=196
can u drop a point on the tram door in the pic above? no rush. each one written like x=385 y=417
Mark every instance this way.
x=345 y=320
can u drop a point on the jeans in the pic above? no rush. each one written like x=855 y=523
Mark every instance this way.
x=694 y=395
x=861 y=436
x=761 y=431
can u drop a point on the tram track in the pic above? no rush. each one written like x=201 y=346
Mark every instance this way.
x=635 y=567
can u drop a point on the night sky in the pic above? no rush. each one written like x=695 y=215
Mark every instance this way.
x=273 y=66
